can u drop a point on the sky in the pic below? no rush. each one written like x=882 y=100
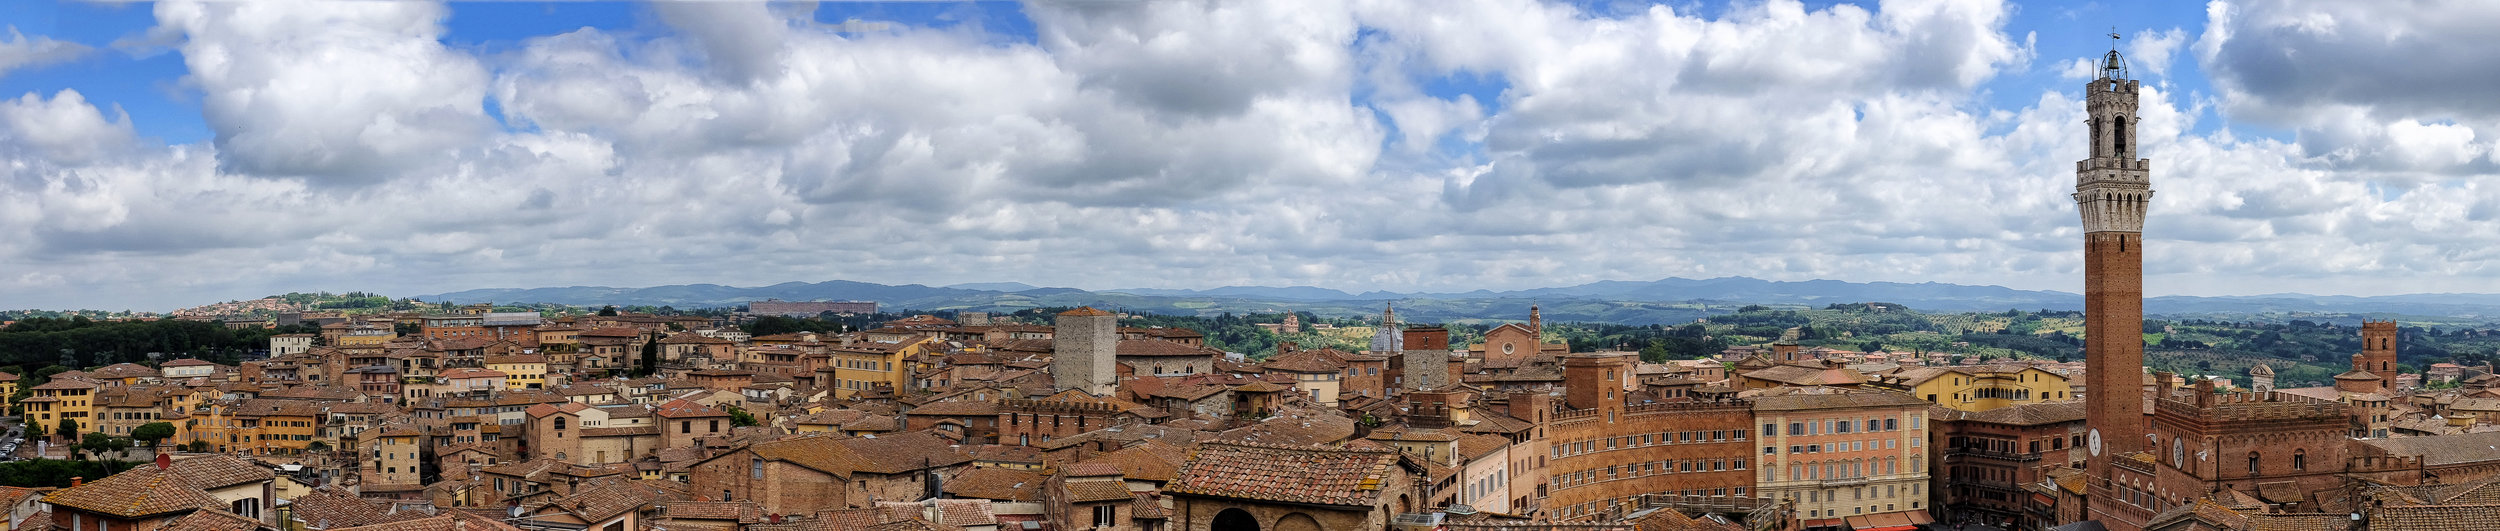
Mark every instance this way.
x=169 y=154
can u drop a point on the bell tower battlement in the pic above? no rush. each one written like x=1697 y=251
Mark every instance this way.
x=2112 y=186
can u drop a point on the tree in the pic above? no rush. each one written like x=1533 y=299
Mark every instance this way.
x=69 y=430
x=609 y=311
x=98 y=443
x=153 y=432
x=739 y=416
x=197 y=447
x=650 y=357
x=317 y=446
x=34 y=429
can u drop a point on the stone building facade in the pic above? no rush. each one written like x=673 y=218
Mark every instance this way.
x=1083 y=349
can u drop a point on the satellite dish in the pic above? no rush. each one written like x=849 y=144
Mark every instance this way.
x=515 y=511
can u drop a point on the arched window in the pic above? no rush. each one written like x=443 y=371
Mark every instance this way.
x=2300 y=459
x=2252 y=462
x=559 y=423
x=2119 y=137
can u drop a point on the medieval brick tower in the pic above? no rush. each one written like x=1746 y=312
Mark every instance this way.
x=2112 y=189
x=2378 y=352
x=1082 y=350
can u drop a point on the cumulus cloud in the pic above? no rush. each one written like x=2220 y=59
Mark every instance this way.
x=2346 y=76
x=336 y=93
x=21 y=51
x=1171 y=144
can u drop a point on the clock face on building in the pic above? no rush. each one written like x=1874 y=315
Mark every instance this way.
x=2094 y=440
x=2178 y=453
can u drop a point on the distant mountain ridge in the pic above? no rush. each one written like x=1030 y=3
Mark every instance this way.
x=1630 y=302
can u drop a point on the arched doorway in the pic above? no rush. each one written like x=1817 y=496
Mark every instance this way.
x=1234 y=520
x=1297 y=522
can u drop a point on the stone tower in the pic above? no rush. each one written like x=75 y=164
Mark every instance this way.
x=2112 y=188
x=2378 y=352
x=1536 y=324
x=1387 y=340
x=2261 y=378
x=1594 y=381
x=1083 y=347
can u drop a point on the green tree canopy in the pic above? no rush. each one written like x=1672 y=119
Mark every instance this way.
x=152 y=432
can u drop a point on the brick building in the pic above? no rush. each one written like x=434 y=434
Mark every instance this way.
x=1984 y=459
x=1610 y=458
x=1030 y=421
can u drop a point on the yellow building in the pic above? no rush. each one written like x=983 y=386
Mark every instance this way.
x=864 y=365
x=369 y=337
x=8 y=388
x=278 y=426
x=524 y=371
x=1979 y=387
x=63 y=398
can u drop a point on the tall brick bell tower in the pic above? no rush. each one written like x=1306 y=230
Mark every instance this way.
x=2111 y=190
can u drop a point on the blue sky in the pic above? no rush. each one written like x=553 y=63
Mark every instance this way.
x=147 y=84
x=415 y=147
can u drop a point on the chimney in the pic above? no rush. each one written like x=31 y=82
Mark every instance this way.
x=75 y=481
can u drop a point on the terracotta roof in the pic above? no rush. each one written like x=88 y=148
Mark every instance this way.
x=2433 y=518
x=124 y=370
x=447 y=521
x=2439 y=450
x=1095 y=490
x=210 y=519
x=1159 y=347
x=1798 y=398
x=140 y=492
x=811 y=452
x=330 y=508
x=219 y=471
x=904 y=452
x=1803 y=375
x=1347 y=477
x=1086 y=311
x=1001 y=484
x=612 y=499
x=983 y=408
x=682 y=408
x=467 y=372
x=1306 y=361
x=1150 y=461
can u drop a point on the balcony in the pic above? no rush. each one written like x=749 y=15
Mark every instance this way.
x=1991 y=455
x=1713 y=504
x=1859 y=481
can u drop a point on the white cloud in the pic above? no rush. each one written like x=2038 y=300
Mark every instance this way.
x=337 y=93
x=64 y=128
x=1201 y=144
x=21 y=51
